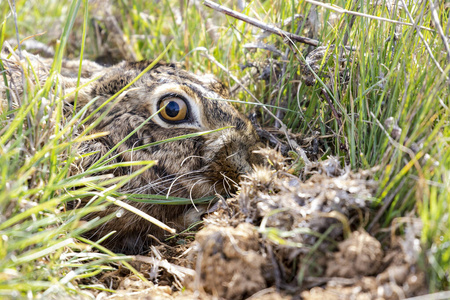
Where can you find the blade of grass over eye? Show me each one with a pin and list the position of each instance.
(104, 161)
(181, 137)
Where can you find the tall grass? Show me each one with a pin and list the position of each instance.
(42, 251)
(392, 72)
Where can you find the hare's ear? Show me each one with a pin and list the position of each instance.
(69, 76)
(83, 93)
(216, 85)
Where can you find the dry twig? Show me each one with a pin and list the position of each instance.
(345, 11)
(259, 24)
(330, 103)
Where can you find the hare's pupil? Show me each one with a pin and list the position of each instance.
(172, 109)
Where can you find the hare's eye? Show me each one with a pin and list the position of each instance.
(175, 109)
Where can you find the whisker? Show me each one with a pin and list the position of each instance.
(153, 187)
(168, 192)
(190, 193)
(192, 156)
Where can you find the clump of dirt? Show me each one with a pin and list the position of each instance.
(361, 254)
(279, 232)
(229, 262)
(330, 196)
(394, 276)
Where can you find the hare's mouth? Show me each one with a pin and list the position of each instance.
(209, 180)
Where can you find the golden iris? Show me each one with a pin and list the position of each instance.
(175, 109)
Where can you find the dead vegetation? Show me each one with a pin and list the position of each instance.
(282, 238)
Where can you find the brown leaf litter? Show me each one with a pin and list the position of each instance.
(277, 239)
(279, 232)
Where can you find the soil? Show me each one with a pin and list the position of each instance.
(282, 237)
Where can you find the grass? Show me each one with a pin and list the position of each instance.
(393, 72)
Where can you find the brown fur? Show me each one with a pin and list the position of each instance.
(194, 167)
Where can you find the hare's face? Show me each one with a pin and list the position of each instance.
(193, 167)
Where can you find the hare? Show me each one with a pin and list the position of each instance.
(192, 168)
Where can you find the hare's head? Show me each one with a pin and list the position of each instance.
(193, 167)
